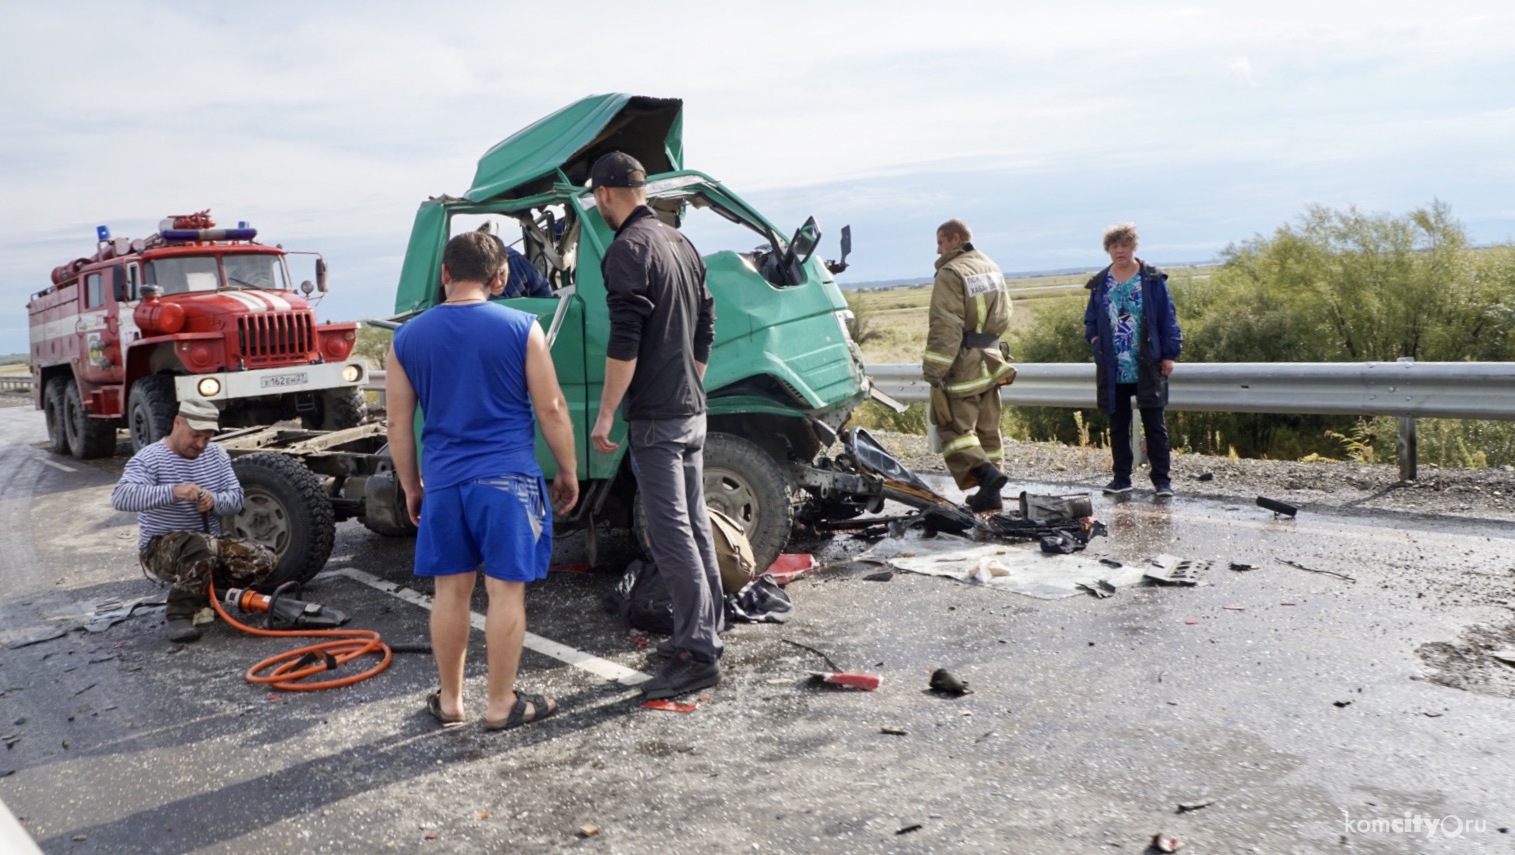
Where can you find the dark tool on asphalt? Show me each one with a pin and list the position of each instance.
(284, 611)
(1277, 507)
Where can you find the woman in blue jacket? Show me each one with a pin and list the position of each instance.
(1133, 329)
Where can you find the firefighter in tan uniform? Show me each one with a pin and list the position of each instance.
(966, 363)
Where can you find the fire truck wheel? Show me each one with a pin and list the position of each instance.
(87, 437)
(748, 485)
(55, 406)
(284, 508)
(150, 410)
(340, 408)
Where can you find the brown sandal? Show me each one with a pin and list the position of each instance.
(541, 707)
(434, 706)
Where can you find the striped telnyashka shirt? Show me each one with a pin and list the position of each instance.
(147, 487)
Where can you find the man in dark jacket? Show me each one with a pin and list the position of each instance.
(1131, 324)
(662, 326)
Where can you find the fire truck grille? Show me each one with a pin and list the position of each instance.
(276, 338)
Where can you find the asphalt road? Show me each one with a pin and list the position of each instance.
(1308, 710)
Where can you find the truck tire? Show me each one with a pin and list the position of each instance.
(150, 410)
(284, 508)
(748, 485)
(339, 408)
(87, 438)
(55, 407)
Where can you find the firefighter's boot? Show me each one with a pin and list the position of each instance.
(990, 482)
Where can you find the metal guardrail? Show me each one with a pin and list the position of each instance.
(1450, 390)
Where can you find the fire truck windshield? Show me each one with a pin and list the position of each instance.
(186, 273)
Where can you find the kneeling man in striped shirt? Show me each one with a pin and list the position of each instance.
(180, 488)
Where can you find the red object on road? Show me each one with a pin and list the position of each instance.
(569, 568)
(852, 680)
(790, 566)
(669, 706)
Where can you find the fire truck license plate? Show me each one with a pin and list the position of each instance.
(298, 378)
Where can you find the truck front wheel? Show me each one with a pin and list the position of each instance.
(55, 407)
(284, 508)
(150, 410)
(87, 438)
(338, 409)
(748, 485)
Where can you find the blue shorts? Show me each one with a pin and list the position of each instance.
(502, 523)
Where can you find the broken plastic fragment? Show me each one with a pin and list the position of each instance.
(1276, 506)
(669, 706)
(853, 680)
(1163, 843)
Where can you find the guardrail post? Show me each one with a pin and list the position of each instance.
(1407, 444)
(1407, 440)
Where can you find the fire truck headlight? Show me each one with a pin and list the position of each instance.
(209, 387)
(351, 374)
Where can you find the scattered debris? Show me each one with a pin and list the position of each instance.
(1297, 565)
(822, 654)
(1062, 543)
(1163, 843)
(1234, 608)
(1111, 562)
(852, 680)
(880, 576)
(987, 568)
(589, 830)
(1433, 714)
(790, 566)
(1278, 508)
(10, 739)
(1185, 807)
(1341, 704)
(1505, 655)
(1242, 568)
(893, 730)
(947, 683)
(1100, 589)
(909, 828)
(1206, 476)
(1172, 570)
(669, 706)
(1191, 621)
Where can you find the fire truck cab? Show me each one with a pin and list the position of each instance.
(193, 311)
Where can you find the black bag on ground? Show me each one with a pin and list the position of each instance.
(641, 597)
(761, 601)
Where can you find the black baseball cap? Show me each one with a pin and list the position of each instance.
(618, 169)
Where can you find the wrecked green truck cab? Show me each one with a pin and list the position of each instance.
(783, 374)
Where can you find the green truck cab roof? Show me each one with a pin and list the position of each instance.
(569, 141)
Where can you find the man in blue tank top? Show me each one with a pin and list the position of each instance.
(477, 370)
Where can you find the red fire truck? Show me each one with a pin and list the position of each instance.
(193, 311)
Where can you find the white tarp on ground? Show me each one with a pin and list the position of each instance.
(1019, 567)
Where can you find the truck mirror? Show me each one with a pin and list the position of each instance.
(841, 263)
(805, 240)
(320, 275)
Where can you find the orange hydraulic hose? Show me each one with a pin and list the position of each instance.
(288, 669)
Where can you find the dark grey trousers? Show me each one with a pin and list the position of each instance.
(667, 456)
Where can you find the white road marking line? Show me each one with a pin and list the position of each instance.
(55, 464)
(602, 668)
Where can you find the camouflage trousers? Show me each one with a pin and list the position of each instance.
(191, 560)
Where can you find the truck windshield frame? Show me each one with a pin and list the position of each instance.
(182, 274)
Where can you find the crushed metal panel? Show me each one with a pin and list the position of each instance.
(1174, 570)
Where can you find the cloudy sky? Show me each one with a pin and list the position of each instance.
(326, 123)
